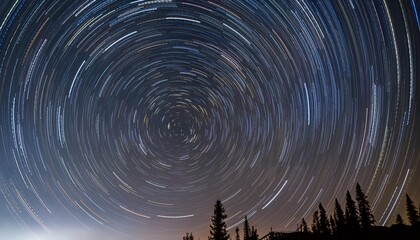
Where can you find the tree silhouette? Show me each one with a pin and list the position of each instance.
(304, 226)
(366, 217)
(218, 228)
(338, 218)
(324, 224)
(399, 220)
(246, 229)
(237, 234)
(315, 223)
(249, 233)
(352, 219)
(254, 234)
(188, 236)
(412, 213)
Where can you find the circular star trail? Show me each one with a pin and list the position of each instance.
(129, 119)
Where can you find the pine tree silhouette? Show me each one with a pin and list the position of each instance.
(339, 219)
(412, 213)
(315, 223)
(254, 234)
(399, 220)
(366, 217)
(246, 229)
(218, 228)
(304, 226)
(352, 218)
(324, 224)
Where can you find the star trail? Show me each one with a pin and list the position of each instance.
(129, 119)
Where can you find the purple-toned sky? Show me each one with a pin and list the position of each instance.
(129, 119)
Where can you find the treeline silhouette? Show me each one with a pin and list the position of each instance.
(356, 221)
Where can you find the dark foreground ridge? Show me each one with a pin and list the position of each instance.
(375, 233)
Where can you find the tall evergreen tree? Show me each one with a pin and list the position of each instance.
(352, 219)
(315, 223)
(339, 218)
(254, 234)
(399, 220)
(304, 226)
(237, 234)
(366, 217)
(218, 227)
(246, 229)
(412, 213)
(324, 224)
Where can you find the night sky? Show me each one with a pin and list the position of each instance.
(129, 119)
